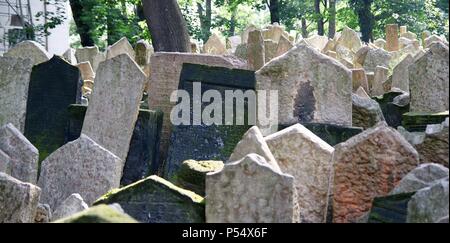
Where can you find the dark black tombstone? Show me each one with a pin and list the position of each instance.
(393, 113)
(390, 209)
(208, 142)
(54, 85)
(418, 121)
(144, 144)
(330, 133)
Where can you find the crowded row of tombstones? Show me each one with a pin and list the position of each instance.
(362, 134)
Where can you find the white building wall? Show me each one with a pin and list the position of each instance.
(58, 41)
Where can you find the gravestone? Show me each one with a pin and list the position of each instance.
(270, 48)
(359, 79)
(208, 142)
(392, 43)
(366, 112)
(434, 147)
(305, 156)
(98, 214)
(400, 74)
(87, 73)
(54, 85)
(376, 57)
(366, 166)
(249, 191)
(429, 83)
(165, 77)
(350, 39)
(29, 49)
(245, 33)
(284, 45)
(381, 76)
(380, 43)
(256, 52)
(312, 87)
(390, 209)
(233, 42)
(318, 41)
(81, 166)
(18, 200)
(14, 82)
(143, 52)
(155, 200)
(23, 156)
(392, 112)
(90, 54)
(143, 157)
(69, 56)
(418, 121)
(71, 205)
(425, 175)
(215, 46)
(114, 106)
(122, 46)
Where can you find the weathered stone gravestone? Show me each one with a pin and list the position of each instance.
(90, 54)
(392, 43)
(108, 214)
(350, 39)
(54, 85)
(155, 200)
(284, 45)
(114, 106)
(381, 76)
(366, 166)
(71, 205)
(192, 174)
(87, 73)
(122, 46)
(143, 155)
(429, 83)
(434, 147)
(215, 46)
(418, 121)
(23, 156)
(250, 191)
(14, 82)
(233, 42)
(246, 32)
(400, 74)
(305, 156)
(366, 112)
(359, 79)
(312, 87)
(376, 57)
(197, 140)
(318, 41)
(270, 48)
(273, 32)
(70, 57)
(390, 209)
(253, 142)
(380, 43)
(143, 52)
(31, 50)
(81, 166)
(18, 200)
(165, 78)
(256, 52)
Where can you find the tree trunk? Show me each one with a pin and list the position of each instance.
(320, 23)
(274, 8)
(366, 20)
(167, 26)
(83, 28)
(233, 23)
(304, 28)
(205, 15)
(332, 19)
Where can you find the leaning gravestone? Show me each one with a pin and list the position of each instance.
(18, 200)
(400, 74)
(122, 46)
(23, 156)
(250, 191)
(155, 200)
(215, 46)
(114, 106)
(376, 57)
(143, 52)
(213, 141)
(31, 50)
(256, 52)
(142, 159)
(81, 166)
(165, 77)
(14, 82)
(366, 112)
(429, 83)
(90, 54)
(54, 85)
(312, 87)
(305, 156)
(366, 166)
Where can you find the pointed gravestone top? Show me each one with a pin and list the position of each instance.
(122, 46)
(114, 106)
(308, 158)
(81, 166)
(31, 50)
(312, 87)
(215, 46)
(366, 166)
(350, 39)
(250, 191)
(253, 142)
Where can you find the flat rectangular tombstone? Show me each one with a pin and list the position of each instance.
(165, 78)
(54, 85)
(14, 82)
(200, 141)
(114, 106)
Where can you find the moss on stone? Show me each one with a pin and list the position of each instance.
(98, 214)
